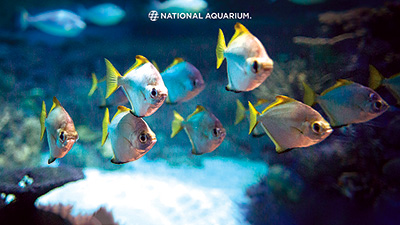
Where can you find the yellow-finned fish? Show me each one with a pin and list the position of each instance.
(347, 102)
(290, 124)
(241, 113)
(248, 63)
(117, 98)
(61, 133)
(183, 80)
(204, 130)
(130, 136)
(142, 84)
(392, 83)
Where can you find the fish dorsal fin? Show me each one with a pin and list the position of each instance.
(199, 109)
(279, 100)
(260, 102)
(176, 61)
(339, 83)
(239, 30)
(140, 60)
(120, 110)
(56, 103)
(155, 65)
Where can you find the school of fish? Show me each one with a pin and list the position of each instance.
(289, 123)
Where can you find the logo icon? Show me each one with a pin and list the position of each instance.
(153, 15)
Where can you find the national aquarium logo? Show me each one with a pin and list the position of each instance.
(154, 16)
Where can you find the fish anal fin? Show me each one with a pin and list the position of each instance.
(278, 148)
(51, 160)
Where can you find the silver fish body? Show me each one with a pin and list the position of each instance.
(105, 14)
(61, 133)
(352, 103)
(291, 124)
(248, 64)
(204, 130)
(184, 82)
(58, 22)
(142, 84)
(130, 136)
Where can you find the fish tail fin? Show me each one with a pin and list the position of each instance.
(309, 95)
(253, 117)
(112, 78)
(375, 77)
(221, 46)
(176, 124)
(106, 121)
(240, 112)
(23, 19)
(94, 84)
(43, 116)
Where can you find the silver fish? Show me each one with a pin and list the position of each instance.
(204, 130)
(61, 133)
(290, 124)
(105, 14)
(131, 137)
(248, 63)
(142, 84)
(347, 102)
(58, 22)
(183, 80)
(392, 83)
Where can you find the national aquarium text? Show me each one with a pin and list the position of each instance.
(154, 16)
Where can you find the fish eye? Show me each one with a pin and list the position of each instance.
(143, 138)
(254, 67)
(216, 132)
(62, 136)
(195, 82)
(316, 127)
(153, 93)
(377, 105)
